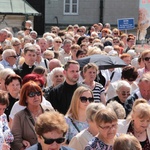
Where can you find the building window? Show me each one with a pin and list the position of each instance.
(70, 7)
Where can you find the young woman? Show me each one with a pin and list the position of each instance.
(76, 115)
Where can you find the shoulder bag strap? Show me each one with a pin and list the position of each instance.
(74, 124)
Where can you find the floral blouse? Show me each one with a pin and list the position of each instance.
(96, 144)
(72, 131)
(5, 133)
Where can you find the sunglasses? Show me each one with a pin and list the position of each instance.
(58, 41)
(50, 141)
(85, 99)
(13, 56)
(32, 94)
(147, 58)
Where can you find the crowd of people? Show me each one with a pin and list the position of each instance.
(48, 101)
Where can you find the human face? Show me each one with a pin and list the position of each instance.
(67, 48)
(58, 78)
(145, 89)
(11, 59)
(147, 61)
(123, 93)
(127, 60)
(30, 58)
(17, 46)
(140, 124)
(86, 94)
(43, 44)
(2, 109)
(35, 99)
(50, 135)
(3, 37)
(130, 43)
(107, 131)
(38, 50)
(72, 74)
(13, 87)
(90, 74)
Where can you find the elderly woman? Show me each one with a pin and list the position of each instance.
(106, 121)
(50, 128)
(24, 121)
(123, 90)
(3, 74)
(137, 123)
(76, 115)
(13, 84)
(126, 142)
(79, 141)
(40, 82)
(56, 76)
(90, 72)
(6, 136)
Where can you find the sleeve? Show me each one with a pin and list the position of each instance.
(17, 132)
(8, 136)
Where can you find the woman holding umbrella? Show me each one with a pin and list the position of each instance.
(89, 73)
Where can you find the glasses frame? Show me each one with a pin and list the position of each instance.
(109, 127)
(51, 141)
(32, 94)
(13, 56)
(84, 99)
(147, 58)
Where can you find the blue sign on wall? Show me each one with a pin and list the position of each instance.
(126, 24)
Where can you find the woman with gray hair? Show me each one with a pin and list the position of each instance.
(79, 141)
(123, 90)
(56, 76)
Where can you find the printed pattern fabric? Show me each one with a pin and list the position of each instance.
(96, 144)
(5, 133)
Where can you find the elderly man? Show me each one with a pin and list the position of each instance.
(66, 51)
(9, 57)
(3, 35)
(142, 92)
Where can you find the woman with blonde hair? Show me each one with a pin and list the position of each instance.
(137, 123)
(126, 142)
(76, 115)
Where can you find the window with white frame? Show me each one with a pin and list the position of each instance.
(71, 7)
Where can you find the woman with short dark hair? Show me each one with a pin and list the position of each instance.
(24, 121)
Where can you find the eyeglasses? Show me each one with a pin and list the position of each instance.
(17, 44)
(58, 41)
(32, 94)
(13, 56)
(109, 127)
(85, 99)
(147, 58)
(124, 94)
(50, 141)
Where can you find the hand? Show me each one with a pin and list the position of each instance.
(26, 143)
(6, 146)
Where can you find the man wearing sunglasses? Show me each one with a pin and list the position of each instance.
(9, 57)
(51, 128)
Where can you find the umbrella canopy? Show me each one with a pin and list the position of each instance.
(102, 61)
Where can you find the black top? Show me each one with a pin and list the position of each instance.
(24, 70)
(12, 100)
(60, 96)
(116, 98)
